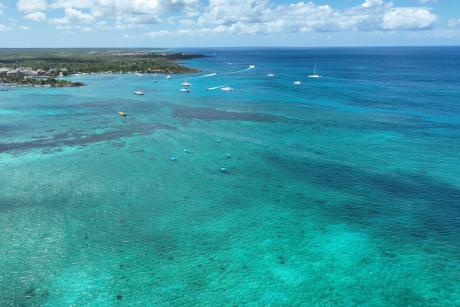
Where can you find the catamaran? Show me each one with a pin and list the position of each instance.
(315, 75)
(186, 84)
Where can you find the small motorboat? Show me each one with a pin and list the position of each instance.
(139, 93)
(227, 89)
(298, 82)
(122, 114)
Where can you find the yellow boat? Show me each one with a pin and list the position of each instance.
(122, 114)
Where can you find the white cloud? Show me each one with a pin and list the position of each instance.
(73, 16)
(30, 6)
(229, 16)
(408, 19)
(123, 13)
(37, 16)
(262, 17)
(372, 3)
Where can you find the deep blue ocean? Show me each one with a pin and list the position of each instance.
(342, 190)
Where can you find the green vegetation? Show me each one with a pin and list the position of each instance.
(97, 60)
(48, 64)
(21, 80)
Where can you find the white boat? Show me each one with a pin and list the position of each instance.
(139, 93)
(186, 84)
(298, 82)
(315, 75)
(168, 77)
(185, 90)
(227, 89)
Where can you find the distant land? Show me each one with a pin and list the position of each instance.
(43, 67)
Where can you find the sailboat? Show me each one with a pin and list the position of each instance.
(315, 75)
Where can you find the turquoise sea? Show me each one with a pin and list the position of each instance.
(340, 191)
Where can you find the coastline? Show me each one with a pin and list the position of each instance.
(44, 68)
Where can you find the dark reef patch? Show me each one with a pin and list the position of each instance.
(81, 138)
(215, 114)
(409, 125)
(399, 205)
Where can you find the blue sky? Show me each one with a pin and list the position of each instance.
(185, 23)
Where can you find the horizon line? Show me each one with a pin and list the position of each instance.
(236, 47)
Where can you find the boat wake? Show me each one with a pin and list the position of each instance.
(216, 87)
(204, 76)
(239, 71)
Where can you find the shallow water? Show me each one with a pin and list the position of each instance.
(341, 191)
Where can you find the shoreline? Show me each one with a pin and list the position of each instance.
(7, 85)
(45, 68)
